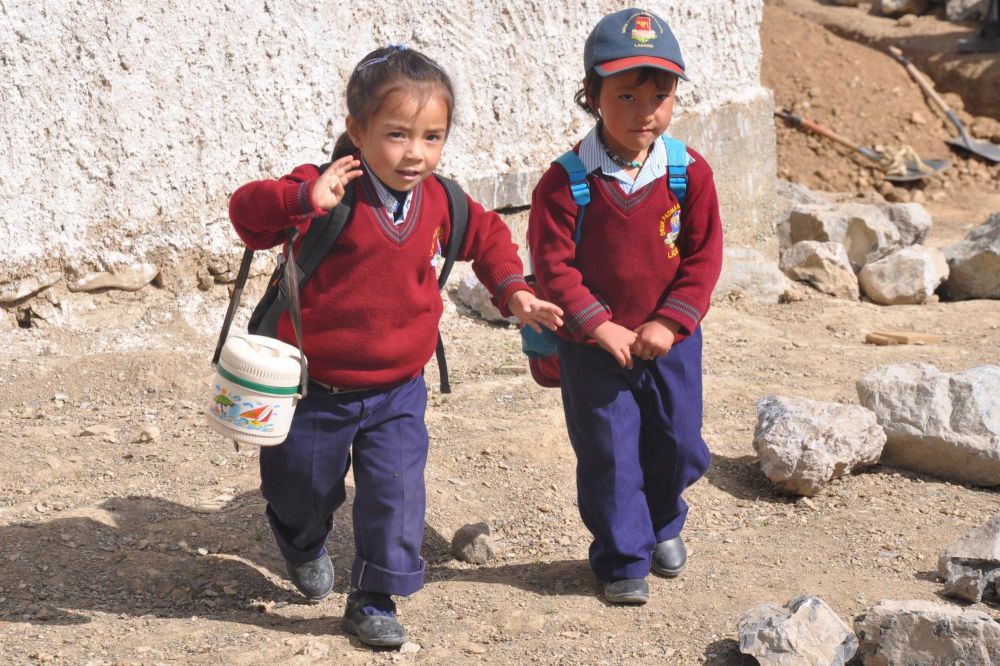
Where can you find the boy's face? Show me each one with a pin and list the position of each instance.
(635, 114)
(402, 142)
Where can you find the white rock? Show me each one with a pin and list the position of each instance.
(907, 276)
(473, 295)
(131, 278)
(13, 292)
(804, 632)
(971, 565)
(911, 220)
(803, 444)
(924, 633)
(900, 7)
(940, 424)
(966, 10)
(750, 272)
(825, 266)
(975, 263)
(861, 228)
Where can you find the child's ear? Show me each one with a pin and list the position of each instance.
(354, 130)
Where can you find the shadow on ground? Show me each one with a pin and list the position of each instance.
(144, 556)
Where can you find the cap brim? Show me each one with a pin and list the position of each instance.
(635, 62)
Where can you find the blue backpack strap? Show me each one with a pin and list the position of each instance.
(677, 164)
(577, 174)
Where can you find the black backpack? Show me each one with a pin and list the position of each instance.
(292, 272)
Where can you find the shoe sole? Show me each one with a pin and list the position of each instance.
(668, 573)
(352, 629)
(625, 599)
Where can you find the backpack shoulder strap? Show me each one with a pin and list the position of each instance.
(677, 164)
(578, 186)
(458, 213)
(321, 236)
(315, 245)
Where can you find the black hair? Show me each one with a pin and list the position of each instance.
(592, 86)
(385, 71)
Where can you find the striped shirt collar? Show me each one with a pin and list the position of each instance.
(389, 202)
(594, 157)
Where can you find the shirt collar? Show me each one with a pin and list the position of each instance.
(594, 157)
(389, 202)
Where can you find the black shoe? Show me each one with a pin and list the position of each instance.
(314, 579)
(626, 591)
(372, 618)
(669, 557)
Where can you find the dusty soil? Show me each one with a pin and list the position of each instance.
(114, 549)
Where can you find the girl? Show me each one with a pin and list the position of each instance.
(369, 316)
(634, 291)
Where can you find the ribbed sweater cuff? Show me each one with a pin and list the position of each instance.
(682, 312)
(582, 319)
(505, 288)
(297, 200)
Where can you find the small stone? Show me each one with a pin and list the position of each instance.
(409, 648)
(149, 434)
(473, 544)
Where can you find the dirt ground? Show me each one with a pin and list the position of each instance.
(123, 548)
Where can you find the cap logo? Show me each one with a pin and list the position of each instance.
(642, 30)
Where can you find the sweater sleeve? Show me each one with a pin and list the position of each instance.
(261, 210)
(687, 299)
(551, 225)
(493, 253)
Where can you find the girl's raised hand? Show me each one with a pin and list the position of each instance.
(330, 186)
(532, 311)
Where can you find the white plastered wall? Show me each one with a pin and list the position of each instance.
(127, 124)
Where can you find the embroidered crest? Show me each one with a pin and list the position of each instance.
(643, 29)
(437, 257)
(670, 228)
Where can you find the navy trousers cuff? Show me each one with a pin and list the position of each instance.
(369, 577)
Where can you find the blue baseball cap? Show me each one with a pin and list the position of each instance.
(630, 39)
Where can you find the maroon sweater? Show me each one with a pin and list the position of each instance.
(628, 267)
(370, 311)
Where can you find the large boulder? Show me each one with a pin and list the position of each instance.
(803, 444)
(941, 424)
(924, 633)
(908, 276)
(825, 266)
(975, 263)
(862, 229)
(750, 272)
(803, 631)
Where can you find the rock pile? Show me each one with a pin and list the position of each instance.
(846, 249)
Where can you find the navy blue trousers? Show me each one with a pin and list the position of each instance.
(638, 444)
(303, 482)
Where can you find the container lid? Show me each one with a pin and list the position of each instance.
(261, 360)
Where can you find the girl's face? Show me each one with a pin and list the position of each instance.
(635, 115)
(402, 142)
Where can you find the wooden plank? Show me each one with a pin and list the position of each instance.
(884, 338)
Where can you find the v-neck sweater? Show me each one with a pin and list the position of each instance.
(370, 311)
(632, 263)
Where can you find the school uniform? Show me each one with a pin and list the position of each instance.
(369, 320)
(636, 433)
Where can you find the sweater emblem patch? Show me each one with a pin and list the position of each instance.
(670, 228)
(437, 256)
